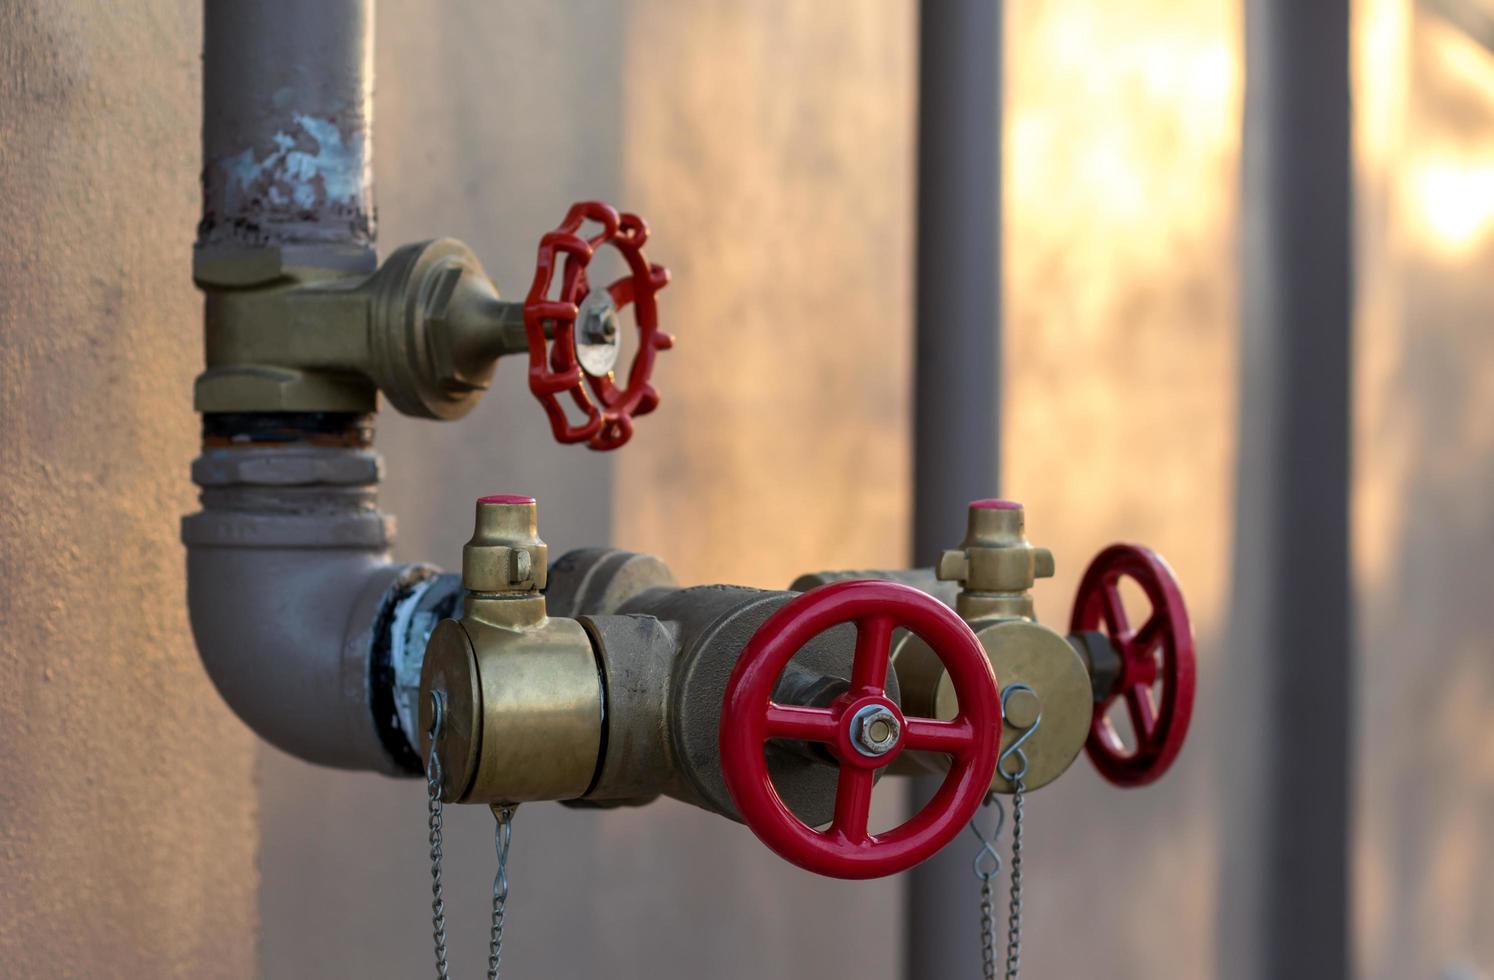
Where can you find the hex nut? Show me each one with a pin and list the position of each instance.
(875, 730)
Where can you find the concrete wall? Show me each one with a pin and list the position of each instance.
(128, 810)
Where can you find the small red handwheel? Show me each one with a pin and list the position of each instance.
(557, 365)
(863, 729)
(1158, 728)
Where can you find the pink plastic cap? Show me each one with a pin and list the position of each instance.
(506, 498)
(994, 504)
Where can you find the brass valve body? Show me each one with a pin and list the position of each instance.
(522, 704)
(519, 693)
(996, 566)
(1021, 652)
(426, 329)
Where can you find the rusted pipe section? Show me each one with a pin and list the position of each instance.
(286, 135)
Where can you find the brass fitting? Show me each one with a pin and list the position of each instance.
(510, 699)
(996, 566)
(426, 329)
(505, 554)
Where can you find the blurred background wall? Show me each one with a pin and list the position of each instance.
(1423, 506)
(143, 832)
(1122, 187)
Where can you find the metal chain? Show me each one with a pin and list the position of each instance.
(1014, 904)
(502, 838)
(987, 867)
(438, 903)
(1014, 775)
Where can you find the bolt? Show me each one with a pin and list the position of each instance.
(875, 730)
(522, 565)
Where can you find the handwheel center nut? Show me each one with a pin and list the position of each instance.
(875, 730)
(597, 340)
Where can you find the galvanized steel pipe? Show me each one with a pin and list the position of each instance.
(302, 620)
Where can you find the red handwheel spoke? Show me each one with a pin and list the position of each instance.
(1147, 638)
(804, 724)
(853, 793)
(1143, 714)
(1115, 613)
(621, 292)
(928, 735)
(873, 653)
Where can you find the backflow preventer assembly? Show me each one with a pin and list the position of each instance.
(595, 679)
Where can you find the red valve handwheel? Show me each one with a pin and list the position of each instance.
(750, 717)
(1159, 729)
(553, 368)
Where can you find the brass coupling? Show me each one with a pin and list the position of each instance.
(510, 698)
(995, 564)
(426, 328)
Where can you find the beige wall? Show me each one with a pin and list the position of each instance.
(128, 813)
(774, 143)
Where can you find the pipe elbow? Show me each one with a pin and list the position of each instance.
(292, 595)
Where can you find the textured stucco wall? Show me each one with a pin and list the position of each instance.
(128, 812)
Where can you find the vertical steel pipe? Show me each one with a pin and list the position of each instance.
(1285, 902)
(957, 374)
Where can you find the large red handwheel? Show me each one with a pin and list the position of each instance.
(863, 729)
(555, 366)
(1159, 725)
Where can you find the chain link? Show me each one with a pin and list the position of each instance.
(502, 838)
(987, 867)
(1014, 775)
(438, 903)
(987, 931)
(1014, 904)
